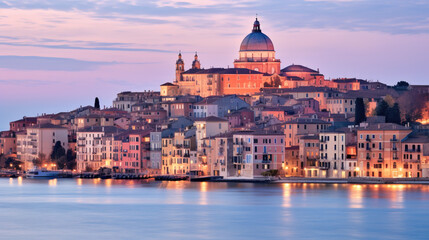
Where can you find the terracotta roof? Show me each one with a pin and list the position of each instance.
(298, 68)
(168, 84)
(211, 119)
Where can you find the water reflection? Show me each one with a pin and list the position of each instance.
(203, 193)
(19, 181)
(286, 195)
(53, 182)
(355, 196)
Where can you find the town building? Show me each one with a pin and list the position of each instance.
(37, 142)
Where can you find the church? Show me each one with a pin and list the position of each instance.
(255, 68)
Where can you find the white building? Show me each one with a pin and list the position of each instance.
(208, 127)
(333, 154)
(155, 151)
(90, 147)
(38, 142)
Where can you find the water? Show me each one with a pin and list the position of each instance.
(127, 209)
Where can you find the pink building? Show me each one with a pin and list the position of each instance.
(133, 150)
(257, 152)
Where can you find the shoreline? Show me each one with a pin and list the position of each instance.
(332, 181)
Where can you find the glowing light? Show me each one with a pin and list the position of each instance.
(52, 182)
(357, 169)
(19, 181)
(286, 195)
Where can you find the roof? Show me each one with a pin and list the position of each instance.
(168, 84)
(345, 80)
(46, 125)
(298, 68)
(416, 139)
(298, 89)
(256, 40)
(221, 71)
(307, 121)
(311, 137)
(211, 119)
(383, 127)
(106, 129)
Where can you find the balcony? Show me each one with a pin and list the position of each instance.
(394, 140)
(412, 150)
(380, 160)
(368, 139)
(368, 158)
(394, 149)
(324, 167)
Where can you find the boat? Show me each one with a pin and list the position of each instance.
(42, 173)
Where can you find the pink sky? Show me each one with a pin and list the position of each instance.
(88, 50)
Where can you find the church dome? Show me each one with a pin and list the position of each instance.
(256, 40)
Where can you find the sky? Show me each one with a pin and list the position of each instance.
(57, 55)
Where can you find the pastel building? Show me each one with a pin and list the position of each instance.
(38, 141)
(90, 147)
(257, 152)
(302, 126)
(380, 149)
(333, 154)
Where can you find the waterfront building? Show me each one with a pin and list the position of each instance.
(90, 147)
(7, 142)
(155, 151)
(380, 149)
(415, 156)
(309, 156)
(256, 152)
(333, 154)
(38, 141)
(292, 165)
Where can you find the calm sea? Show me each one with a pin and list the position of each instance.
(128, 209)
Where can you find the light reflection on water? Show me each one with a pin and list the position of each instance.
(202, 210)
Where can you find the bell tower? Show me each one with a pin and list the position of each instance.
(196, 63)
(180, 68)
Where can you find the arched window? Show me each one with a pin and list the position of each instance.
(367, 165)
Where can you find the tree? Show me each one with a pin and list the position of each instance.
(57, 151)
(359, 111)
(389, 100)
(401, 85)
(97, 103)
(393, 114)
(70, 159)
(381, 108)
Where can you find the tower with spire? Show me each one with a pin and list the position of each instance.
(196, 63)
(180, 68)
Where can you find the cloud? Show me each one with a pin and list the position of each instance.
(65, 46)
(391, 16)
(48, 63)
(25, 82)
